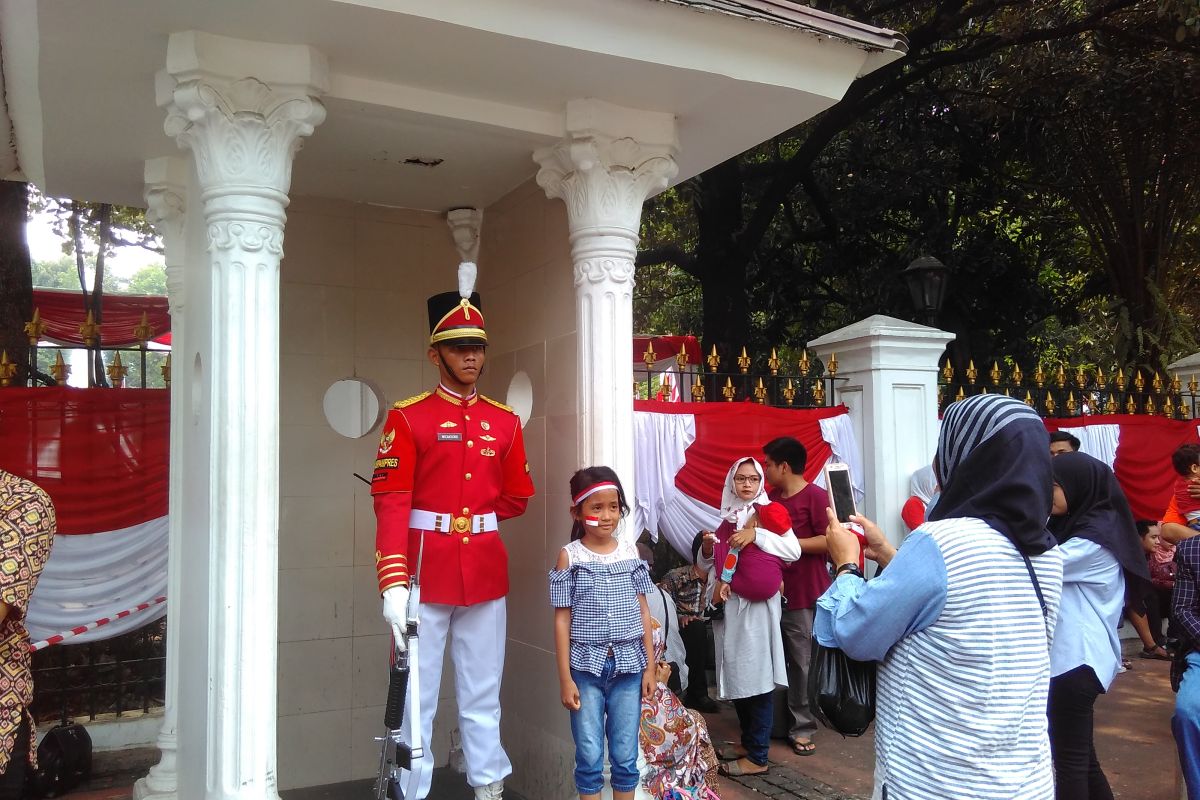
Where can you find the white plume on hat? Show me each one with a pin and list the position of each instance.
(466, 278)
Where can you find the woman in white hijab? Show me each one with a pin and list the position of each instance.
(749, 646)
(924, 488)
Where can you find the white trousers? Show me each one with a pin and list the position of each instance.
(476, 635)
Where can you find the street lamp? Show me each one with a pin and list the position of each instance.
(927, 278)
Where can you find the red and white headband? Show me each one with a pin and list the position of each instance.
(591, 490)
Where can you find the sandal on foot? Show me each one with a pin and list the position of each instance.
(731, 752)
(734, 769)
(803, 747)
(1156, 653)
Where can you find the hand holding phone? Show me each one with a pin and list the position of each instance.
(841, 492)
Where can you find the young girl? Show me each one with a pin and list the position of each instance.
(602, 634)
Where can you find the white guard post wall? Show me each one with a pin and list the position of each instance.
(890, 368)
(525, 281)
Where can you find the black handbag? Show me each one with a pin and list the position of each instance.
(841, 690)
(64, 761)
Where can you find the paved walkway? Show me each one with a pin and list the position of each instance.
(1133, 741)
(1133, 737)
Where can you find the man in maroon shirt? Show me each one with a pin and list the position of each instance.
(804, 580)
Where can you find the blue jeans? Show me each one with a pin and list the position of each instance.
(619, 697)
(1186, 725)
(756, 715)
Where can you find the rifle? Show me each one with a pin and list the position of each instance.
(397, 756)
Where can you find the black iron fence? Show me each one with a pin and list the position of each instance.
(805, 382)
(1061, 391)
(112, 678)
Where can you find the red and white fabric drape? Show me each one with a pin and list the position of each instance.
(682, 452)
(1138, 448)
(63, 312)
(102, 455)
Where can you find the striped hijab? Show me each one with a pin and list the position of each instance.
(993, 460)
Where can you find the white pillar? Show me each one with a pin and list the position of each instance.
(891, 369)
(166, 190)
(606, 166)
(242, 109)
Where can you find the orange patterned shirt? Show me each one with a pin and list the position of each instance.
(27, 526)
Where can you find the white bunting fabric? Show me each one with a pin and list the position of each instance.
(93, 576)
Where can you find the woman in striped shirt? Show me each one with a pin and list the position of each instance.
(962, 618)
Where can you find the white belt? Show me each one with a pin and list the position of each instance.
(452, 523)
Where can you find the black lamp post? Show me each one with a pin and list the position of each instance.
(927, 278)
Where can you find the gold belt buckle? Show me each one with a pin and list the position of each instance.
(462, 524)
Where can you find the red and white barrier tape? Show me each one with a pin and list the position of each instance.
(61, 637)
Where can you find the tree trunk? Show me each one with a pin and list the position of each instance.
(16, 280)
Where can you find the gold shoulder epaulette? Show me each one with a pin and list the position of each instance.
(497, 403)
(415, 399)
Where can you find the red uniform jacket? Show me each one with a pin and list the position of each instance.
(454, 456)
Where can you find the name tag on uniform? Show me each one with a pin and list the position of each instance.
(449, 437)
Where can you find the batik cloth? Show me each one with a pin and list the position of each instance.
(27, 525)
(680, 761)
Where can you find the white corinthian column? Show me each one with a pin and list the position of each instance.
(166, 189)
(609, 162)
(242, 109)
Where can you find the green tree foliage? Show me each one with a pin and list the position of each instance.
(940, 153)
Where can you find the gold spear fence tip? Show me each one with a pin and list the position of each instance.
(1151, 408)
(760, 392)
(35, 327)
(804, 364)
(727, 391)
(1193, 386)
(1050, 404)
(773, 363)
(961, 394)
(1039, 376)
(1157, 383)
(1120, 379)
(697, 392)
(1176, 385)
(1071, 404)
(832, 366)
(144, 330)
(1080, 378)
(1061, 376)
(818, 392)
(789, 392)
(681, 358)
(60, 369)
(948, 372)
(972, 373)
(1130, 406)
(713, 360)
(1110, 405)
(1139, 382)
(1028, 399)
(743, 362)
(995, 373)
(1017, 376)
(649, 356)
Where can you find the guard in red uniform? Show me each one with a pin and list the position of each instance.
(451, 465)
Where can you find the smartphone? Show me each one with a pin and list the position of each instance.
(841, 494)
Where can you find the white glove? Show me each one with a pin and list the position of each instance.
(395, 611)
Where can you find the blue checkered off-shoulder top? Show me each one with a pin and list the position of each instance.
(602, 589)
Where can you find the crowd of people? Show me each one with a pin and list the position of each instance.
(994, 624)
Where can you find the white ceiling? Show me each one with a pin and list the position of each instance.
(477, 83)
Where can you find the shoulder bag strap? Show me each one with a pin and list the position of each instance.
(1037, 587)
(667, 614)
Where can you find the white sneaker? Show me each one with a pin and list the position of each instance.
(493, 791)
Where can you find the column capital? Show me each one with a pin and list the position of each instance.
(464, 228)
(243, 109)
(166, 181)
(610, 160)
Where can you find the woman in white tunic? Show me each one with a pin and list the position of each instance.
(749, 645)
